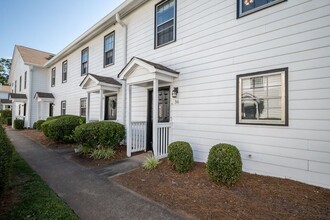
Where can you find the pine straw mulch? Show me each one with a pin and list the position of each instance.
(252, 197)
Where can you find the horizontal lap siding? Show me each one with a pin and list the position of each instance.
(213, 47)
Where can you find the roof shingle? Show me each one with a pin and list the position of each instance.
(33, 56)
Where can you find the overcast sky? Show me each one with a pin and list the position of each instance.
(48, 25)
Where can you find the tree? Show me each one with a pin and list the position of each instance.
(4, 70)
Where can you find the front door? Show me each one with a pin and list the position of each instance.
(163, 111)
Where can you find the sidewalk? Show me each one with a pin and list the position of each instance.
(87, 193)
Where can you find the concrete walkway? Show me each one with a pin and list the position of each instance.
(86, 192)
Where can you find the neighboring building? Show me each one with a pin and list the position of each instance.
(225, 72)
(27, 77)
(5, 103)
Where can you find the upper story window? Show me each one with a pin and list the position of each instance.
(15, 86)
(63, 107)
(25, 79)
(165, 26)
(20, 83)
(53, 75)
(262, 98)
(250, 6)
(84, 61)
(83, 105)
(109, 52)
(64, 71)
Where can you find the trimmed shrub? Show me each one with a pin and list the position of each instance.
(45, 126)
(61, 129)
(224, 164)
(100, 134)
(18, 123)
(6, 157)
(9, 121)
(37, 124)
(181, 155)
(4, 114)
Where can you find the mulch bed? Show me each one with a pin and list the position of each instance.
(252, 197)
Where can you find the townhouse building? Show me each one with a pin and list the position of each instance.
(252, 73)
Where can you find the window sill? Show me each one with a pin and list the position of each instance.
(111, 64)
(265, 123)
(240, 15)
(163, 45)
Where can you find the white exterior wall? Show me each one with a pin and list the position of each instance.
(212, 47)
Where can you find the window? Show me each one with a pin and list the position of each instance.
(109, 45)
(19, 109)
(83, 107)
(51, 109)
(15, 85)
(20, 83)
(262, 98)
(111, 107)
(24, 109)
(165, 25)
(53, 77)
(63, 107)
(64, 71)
(250, 6)
(84, 61)
(25, 76)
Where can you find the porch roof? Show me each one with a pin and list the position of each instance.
(95, 82)
(5, 101)
(44, 97)
(17, 97)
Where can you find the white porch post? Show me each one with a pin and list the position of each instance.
(129, 120)
(101, 118)
(88, 106)
(41, 110)
(38, 116)
(155, 117)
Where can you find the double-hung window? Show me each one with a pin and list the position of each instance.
(25, 75)
(53, 75)
(262, 98)
(63, 107)
(64, 71)
(250, 6)
(83, 105)
(165, 25)
(84, 61)
(15, 85)
(20, 83)
(109, 49)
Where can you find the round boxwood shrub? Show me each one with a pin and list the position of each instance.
(45, 126)
(18, 123)
(224, 164)
(37, 124)
(100, 134)
(61, 129)
(181, 155)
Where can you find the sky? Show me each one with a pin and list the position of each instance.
(48, 25)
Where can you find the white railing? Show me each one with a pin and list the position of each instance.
(163, 139)
(139, 136)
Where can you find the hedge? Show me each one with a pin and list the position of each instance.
(6, 157)
(4, 114)
(61, 128)
(9, 121)
(100, 134)
(37, 124)
(18, 123)
(44, 127)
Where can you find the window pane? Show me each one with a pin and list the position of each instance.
(109, 57)
(165, 12)
(108, 42)
(165, 36)
(251, 4)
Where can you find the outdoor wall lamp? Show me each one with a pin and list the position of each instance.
(175, 92)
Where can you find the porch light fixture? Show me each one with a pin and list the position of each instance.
(175, 92)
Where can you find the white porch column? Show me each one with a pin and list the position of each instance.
(155, 117)
(88, 106)
(101, 118)
(41, 110)
(38, 114)
(129, 120)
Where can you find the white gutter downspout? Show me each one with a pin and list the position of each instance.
(124, 26)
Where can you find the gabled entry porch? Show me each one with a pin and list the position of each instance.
(156, 79)
(44, 101)
(18, 100)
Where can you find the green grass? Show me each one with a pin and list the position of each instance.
(35, 199)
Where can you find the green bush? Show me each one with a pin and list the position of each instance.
(4, 114)
(9, 121)
(18, 123)
(6, 157)
(224, 164)
(37, 124)
(181, 155)
(61, 129)
(45, 126)
(100, 134)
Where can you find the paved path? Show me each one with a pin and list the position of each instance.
(90, 195)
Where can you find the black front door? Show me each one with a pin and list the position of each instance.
(163, 111)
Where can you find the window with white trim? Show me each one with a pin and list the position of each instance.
(262, 98)
(83, 105)
(109, 52)
(165, 25)
(63, 107)
(53, 75)
(250, 6)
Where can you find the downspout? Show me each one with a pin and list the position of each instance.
(124, 26)
(30, 98)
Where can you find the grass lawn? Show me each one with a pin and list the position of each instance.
(29, 197)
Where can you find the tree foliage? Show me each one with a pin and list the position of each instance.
(4, 70)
